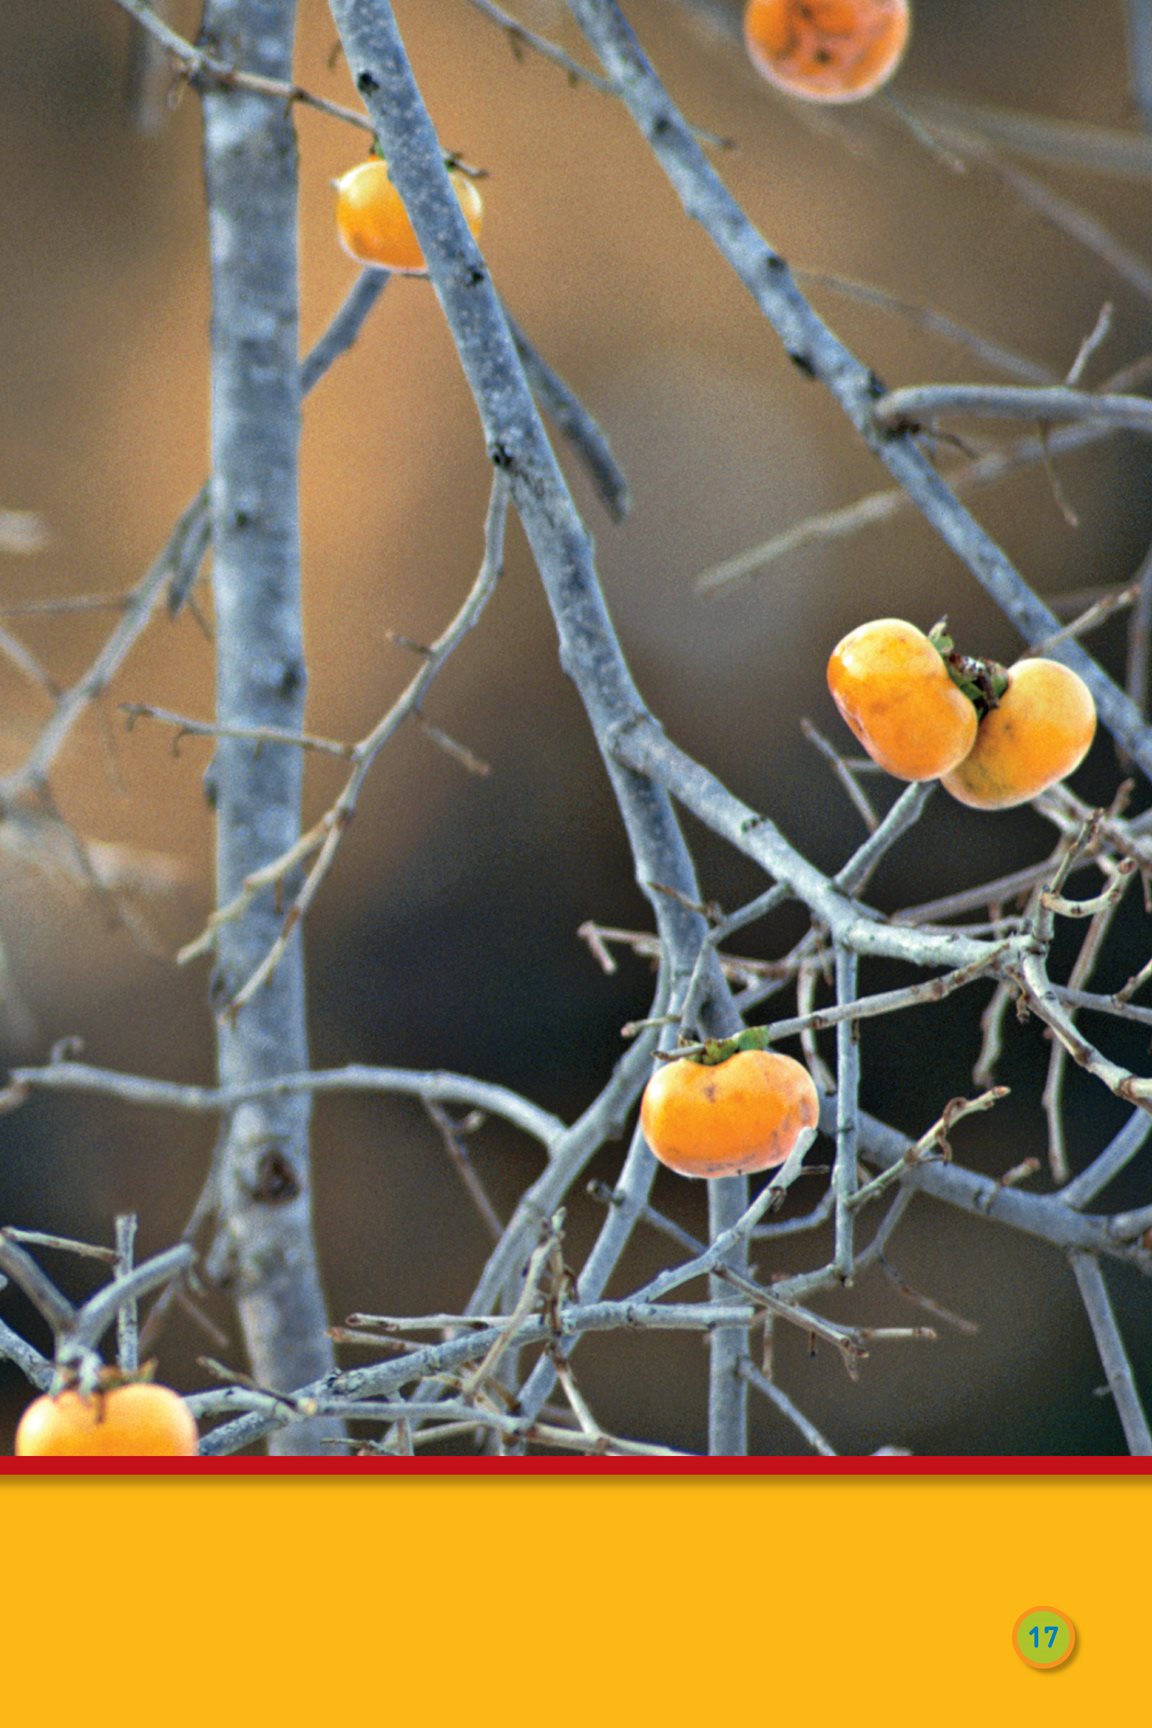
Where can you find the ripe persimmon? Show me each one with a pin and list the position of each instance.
(827, 50)
(374, 226)
(1040, 730)
(730, 1117)
(892, 685)
(136, 1420)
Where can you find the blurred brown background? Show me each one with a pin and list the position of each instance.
(446, 935)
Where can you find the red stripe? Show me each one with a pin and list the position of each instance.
(991, 1465)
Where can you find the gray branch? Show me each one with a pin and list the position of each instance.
(768, 1389)
(1113, 1355)
(1043, 1217)
(912, 406)
(571, 417)
(436, 1086)
(36, 1285)
(31, 1364)
(1115, 1157)
(93, 1320)
(263, 1185)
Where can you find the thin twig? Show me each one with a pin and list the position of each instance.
(928, 1303)
(845, 521)
(916, 405)
(101, 1310)
(62, 1244)
(845, 1170)
(1093, 616)
(127, 1318)
(1094, 340)
(714, 1256)
(206, 71)
(936, 322)
(1099, 149)
(186, 726)
(1107, 1165)
(932, 1144)
(36, 1368)
(582, 431)
(843, 773)
(439, 1086)
(521, 37)
(1113, 1356)
(26, 663)
(137, 610)
(324, 838)
(37, 1286)
(768, 1389)
(1101, 909)
(452, 1135)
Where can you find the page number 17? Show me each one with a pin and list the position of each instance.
(1044, 1637)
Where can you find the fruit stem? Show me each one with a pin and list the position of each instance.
(982, 681)
(713, 1051)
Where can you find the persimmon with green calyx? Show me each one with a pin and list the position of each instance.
(827, 50)
(900, 692)
(732, 1110)
(133, 1420)
(374, 226)
(1041, 729)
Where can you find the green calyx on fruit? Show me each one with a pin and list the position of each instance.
(982, 681)
(710, 1052)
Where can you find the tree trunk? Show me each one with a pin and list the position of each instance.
(250, 171)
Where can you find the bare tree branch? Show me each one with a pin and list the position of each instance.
(910, 407)
(1113, 1355)
(264, 1183)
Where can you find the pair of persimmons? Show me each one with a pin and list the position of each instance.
(995, 738)
(823, 50)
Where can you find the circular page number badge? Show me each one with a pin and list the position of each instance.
(1043, 1637)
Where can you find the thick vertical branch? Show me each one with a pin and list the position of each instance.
(727, 1385)
(847, 1113)
(250, 170)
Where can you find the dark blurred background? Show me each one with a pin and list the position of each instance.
(446, 934)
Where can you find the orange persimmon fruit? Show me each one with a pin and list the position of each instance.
(1041, 729)
(728, 1118)
(827, 50)
(375, 228)
(137, 1420)
(892, 686)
